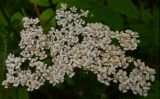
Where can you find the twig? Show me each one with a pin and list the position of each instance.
(153, 65)
(36, 7)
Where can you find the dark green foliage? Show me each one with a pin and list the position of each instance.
(140, 15)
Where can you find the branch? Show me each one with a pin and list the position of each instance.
(36, 7)
(153, 65)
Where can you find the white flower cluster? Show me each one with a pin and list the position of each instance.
(77, 44)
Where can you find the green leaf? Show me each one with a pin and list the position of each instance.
(22, 93)
(48, 61)
(112, 18)
(46, 14)
(41, 2)
(156, 43)
(82, 4)
(3, 22)
(60, 86)
(48, 18)
(55, 1)
(125, 7)
(108, 16)
(143, 32)
(69, 81)
(16, 16)
(146, 15)
(13, 92)
(53, 21)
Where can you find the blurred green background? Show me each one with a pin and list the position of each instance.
(139, 15)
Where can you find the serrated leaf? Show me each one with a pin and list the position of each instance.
(125, 7)
(22, 93)
(16, 16)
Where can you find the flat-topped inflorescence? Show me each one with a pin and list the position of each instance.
(76, 44)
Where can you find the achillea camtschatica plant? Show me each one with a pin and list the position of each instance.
(76, 44)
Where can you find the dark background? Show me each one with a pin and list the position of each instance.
(139, 15)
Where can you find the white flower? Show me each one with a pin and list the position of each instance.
(76, 45)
